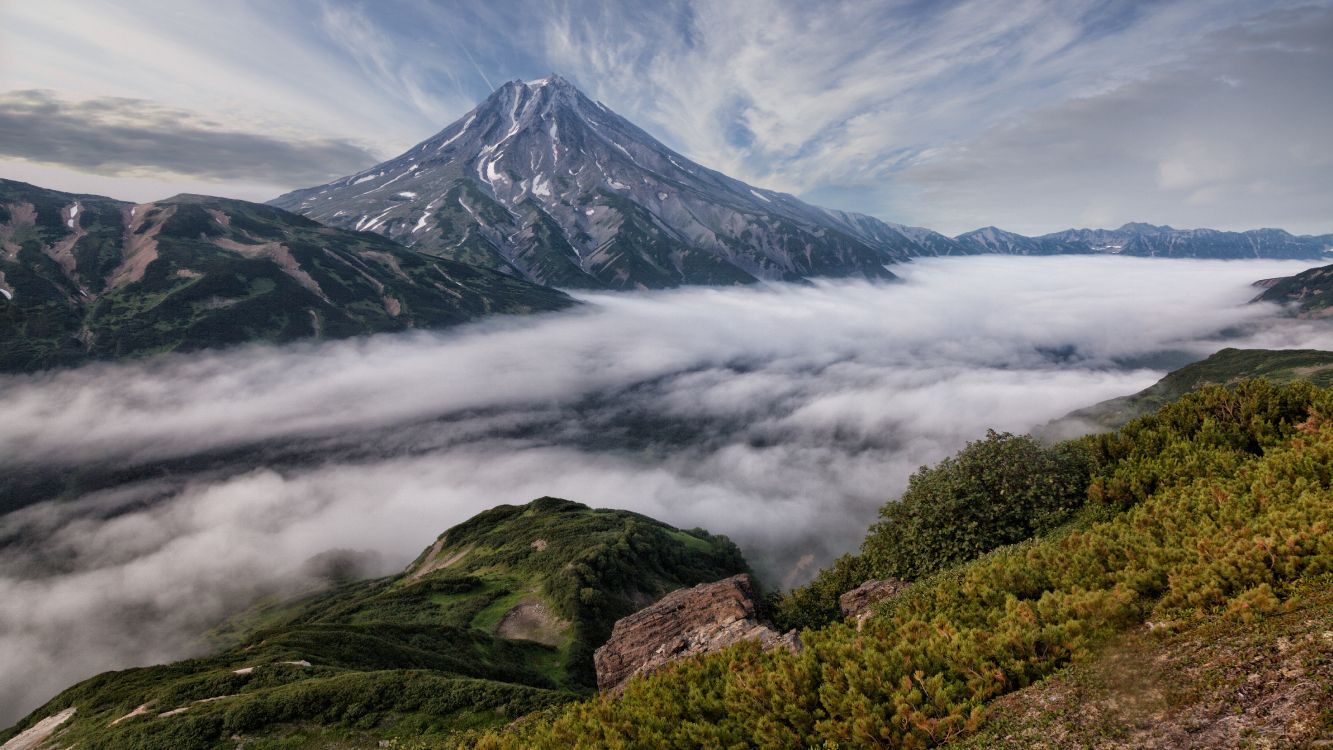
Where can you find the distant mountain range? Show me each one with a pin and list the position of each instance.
(84, 277)
(1146, 240)
(543, 183)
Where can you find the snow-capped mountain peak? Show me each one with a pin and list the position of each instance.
(544, 183)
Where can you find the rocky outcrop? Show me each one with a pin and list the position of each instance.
(859, 603)
(699, 620)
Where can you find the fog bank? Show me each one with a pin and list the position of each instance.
(780, 415)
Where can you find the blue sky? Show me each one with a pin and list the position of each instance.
(1031, 115)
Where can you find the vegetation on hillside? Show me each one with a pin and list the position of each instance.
(1219, 505)
(495, 621)
(1221, 683)
(996, 491)
(84, 278)
(1308, 294)
(1225, 367)
(1214, 512)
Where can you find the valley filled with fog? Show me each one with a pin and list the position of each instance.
(780, 415)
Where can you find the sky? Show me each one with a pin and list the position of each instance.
(1031, 115)
(781, 415)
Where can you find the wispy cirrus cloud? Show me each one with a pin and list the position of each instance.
(916, 112)
(1233, 137)
(868, 106)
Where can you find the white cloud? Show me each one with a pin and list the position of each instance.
(780, 415)
(914, 112)
(892, 109)
(1233, 137)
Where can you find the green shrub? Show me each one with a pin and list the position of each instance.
(994, 492)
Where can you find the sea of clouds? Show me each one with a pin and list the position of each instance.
(780, 415)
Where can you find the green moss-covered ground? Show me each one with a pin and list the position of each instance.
(413, 655)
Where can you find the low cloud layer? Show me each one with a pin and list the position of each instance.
(123, 136)
(782, 416)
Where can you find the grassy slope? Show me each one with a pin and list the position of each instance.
(414, 654)
(225, 272)
(1226, 367)
(1218, 507)
(1308, 293)
(1218, 683)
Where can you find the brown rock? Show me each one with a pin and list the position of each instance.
(858, 604)
(685, 623)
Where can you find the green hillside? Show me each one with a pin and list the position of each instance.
(1219, 508)
(87, 278)
(495, 620)
(1226, 367)
(1204, 528)
(1308, 294)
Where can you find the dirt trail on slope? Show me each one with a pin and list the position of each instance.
(38, 733)
(434, 562)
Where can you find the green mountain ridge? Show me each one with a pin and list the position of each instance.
(1308, 294)
(87, 278)
(1205, 525)
(495, 620)
(1224, 367)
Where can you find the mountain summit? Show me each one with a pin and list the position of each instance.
(546, 184)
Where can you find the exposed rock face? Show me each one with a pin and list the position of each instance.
(541, 182)
(858, 603)
(685, 623)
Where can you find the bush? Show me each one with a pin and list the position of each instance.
(994, 492)
(816, 603)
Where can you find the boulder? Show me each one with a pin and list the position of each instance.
(859, 603)
(688, 622)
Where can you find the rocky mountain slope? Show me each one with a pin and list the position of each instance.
(541, 182)
(544, 183)
(497, 618)
(1308, 294)
(1146, 240)
(85, 277)
(684, 624)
